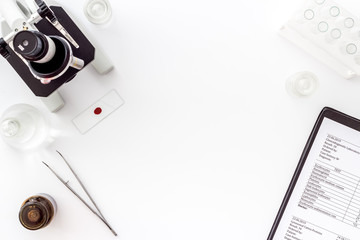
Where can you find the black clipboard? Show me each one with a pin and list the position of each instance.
(327, 112)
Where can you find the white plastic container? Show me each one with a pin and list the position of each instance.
(302, 84)
(98, 11)
(329, 32)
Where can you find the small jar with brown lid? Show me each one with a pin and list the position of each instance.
(37, 211)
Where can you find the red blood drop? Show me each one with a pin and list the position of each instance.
(97, 110)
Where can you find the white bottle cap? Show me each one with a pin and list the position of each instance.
(302, 84)
(10, 127)
(97, 11)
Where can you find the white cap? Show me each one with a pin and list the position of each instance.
(97, 11)
(302, 84)
(10, 127)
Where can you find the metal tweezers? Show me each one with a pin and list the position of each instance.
(98, 214)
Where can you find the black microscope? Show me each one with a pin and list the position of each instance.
(45, 47)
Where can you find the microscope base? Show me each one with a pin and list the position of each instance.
(54, 102)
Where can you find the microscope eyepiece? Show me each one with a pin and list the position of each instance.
(48, 57)
(34, 46)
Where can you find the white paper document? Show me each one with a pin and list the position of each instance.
(325, 202)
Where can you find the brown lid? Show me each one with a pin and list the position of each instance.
(33, 215)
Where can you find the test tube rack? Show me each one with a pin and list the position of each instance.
(328, 32)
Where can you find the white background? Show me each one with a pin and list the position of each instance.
(208, 139)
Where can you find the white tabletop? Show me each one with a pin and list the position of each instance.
(207, 140)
